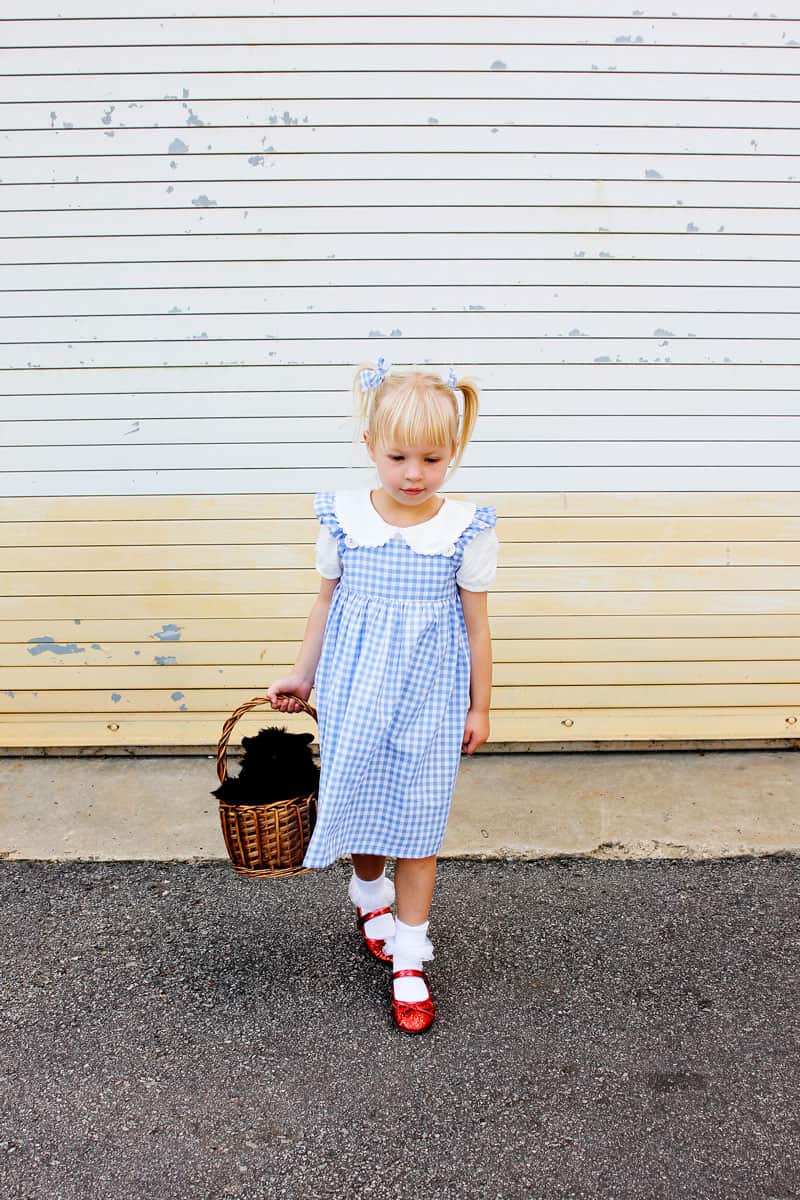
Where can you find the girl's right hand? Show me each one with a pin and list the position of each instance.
(281, 693)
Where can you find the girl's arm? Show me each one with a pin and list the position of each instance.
(301, 679)
(476, 617)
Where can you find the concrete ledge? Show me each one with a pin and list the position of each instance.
(687, 804)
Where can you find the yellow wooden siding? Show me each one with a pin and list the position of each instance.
(143, 621)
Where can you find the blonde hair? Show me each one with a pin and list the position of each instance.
(416, 408)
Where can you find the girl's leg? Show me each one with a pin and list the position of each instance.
(414, 880)
(368, 866)
(371, 891)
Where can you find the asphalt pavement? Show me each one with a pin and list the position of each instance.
(606, 1030)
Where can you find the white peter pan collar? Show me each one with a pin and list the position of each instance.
(364, 526)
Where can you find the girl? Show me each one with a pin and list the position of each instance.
(397, 646)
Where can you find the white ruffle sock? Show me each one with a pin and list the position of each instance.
(369, 894)
(410, 947)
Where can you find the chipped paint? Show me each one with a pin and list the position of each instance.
(204, 202)
(165, 660)
(256, 160)
(498, 65)
(116, 697)
(176, 696)
(663, 333)
(651, 173)
(11, 695)
(178, 147)
(169, 633)
(692, 228)
(48, 645)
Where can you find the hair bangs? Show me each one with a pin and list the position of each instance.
(418, 410)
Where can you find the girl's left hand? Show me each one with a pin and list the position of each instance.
(476, 730)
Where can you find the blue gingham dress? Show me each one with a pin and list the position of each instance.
(392, 691)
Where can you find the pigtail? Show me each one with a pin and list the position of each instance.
(470, 394)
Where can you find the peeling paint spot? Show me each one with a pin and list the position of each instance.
(186, 93)
(396, 333)
(200, 337)
(175, 309)
(498, 65)
(178, 147)
(47, 645)
(256, 160)
(577, 333)
(603, 359)
(170, 190)
(67, 125)
(137, 653)
(433, 120)
(376, 333)
(663, 333)
(193, 119)
(106, 118)
(176, 696)
(135, 426)
(53, 118)
(579, 254)
(165, 660)
(605, 254)
(76, 622)
(476, 308)
(692, 228)
(10, 695)
(169, 633)
(203, 202)
(653, 174)
(116, 697)
(96, 647)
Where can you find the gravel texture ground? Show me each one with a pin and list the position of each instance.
(606, 1030)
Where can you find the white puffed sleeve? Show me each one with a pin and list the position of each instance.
(479, 564)
(328, 563)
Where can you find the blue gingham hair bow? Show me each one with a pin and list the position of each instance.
(451, 379)
(370, 380)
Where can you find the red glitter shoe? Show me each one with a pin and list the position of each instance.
(375, 946)
(413, 1016)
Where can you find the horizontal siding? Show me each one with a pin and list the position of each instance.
(207, 220)
(616, 617)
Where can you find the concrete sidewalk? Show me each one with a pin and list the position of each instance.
(649, 804)
(605, 1030)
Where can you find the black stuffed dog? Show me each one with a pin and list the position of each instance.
(276, 766)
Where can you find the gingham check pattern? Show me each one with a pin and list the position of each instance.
(392, 690)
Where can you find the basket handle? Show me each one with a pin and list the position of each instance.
(227, 728)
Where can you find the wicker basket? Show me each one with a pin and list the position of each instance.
(265, 839)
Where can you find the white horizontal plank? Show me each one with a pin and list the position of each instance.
(725, 11)
(205, 350)
(265, 194)
(535, 404)
(384, 163)
(259, 480)
(430, 135)
(308, 29)
(286, 430)
(412, 98)
(405, 35)
(604, 228)
(600, 329)
(318, 71)
(659, 304)
(335, 376)
(443, 245)
(503, 455)
(564, 277)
